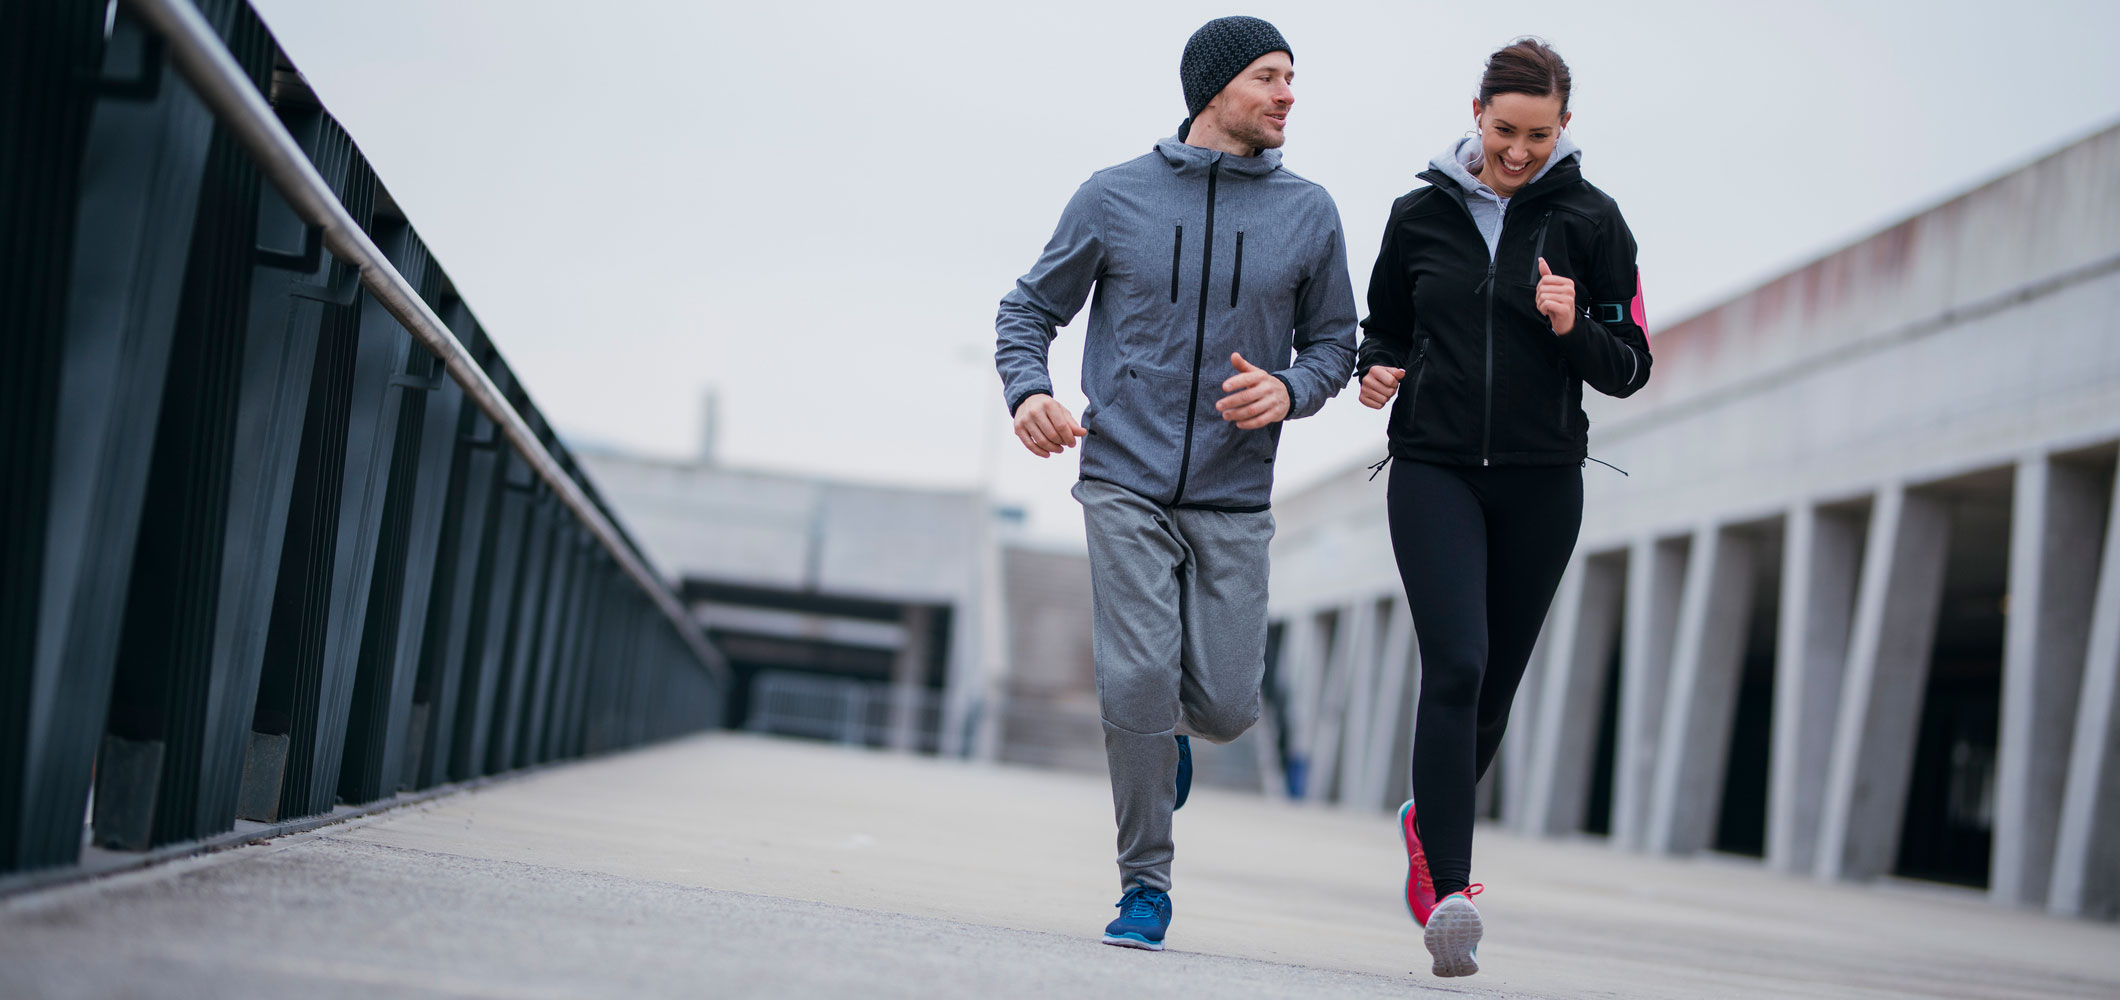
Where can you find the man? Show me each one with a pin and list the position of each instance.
(1210, 264)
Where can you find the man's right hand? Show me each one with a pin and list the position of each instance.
(1380, 385)
(1045, 427)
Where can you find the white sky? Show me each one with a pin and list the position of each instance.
(813, 207)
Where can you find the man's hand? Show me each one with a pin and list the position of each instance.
(1255, 398)
(1556, 298)
(1380, 385)
(1045, 427)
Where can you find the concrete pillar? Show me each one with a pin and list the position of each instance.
(908, 672)
(1656, 573)
(1520, 743)
(1386, 708)
(975, 699)
(1363, 671)
(1900, 596)
(1707, 663)
(1266, 735)
(1585, 618)
(1399, 697)
(1348, 645)
(2053, 578)
(1302, 660)
(2086, 879)
(1821, 556)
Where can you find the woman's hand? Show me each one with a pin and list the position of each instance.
(1380, 385)
(1556, 298)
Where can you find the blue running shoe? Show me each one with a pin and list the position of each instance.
(1184, 772)
(1144, 914)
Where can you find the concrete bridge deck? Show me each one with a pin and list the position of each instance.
(734, 866)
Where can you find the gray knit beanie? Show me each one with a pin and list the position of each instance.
(1216, 53)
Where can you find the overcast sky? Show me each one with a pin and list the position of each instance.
(813, 208)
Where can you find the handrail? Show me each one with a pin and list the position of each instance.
(198, 53)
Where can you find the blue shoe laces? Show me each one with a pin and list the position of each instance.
(1140, 903)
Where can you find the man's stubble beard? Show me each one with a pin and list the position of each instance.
(1255, 135)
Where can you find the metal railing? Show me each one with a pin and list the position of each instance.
(214, 76)
(845, 710)
(259, 558)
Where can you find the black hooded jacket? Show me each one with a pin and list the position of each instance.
(1487, 380)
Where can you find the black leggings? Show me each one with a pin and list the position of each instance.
(1481, 551)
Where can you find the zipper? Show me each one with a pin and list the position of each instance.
(1538, 253)
(1420, 372)
(1177, 249)
(1562, 364)
(1538, 246)
(1207, 259)
(1487, 422)
(1237, 278)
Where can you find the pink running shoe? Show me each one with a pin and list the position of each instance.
(1453, 934)
(1420, 886)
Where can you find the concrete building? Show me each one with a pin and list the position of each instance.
(1856, 606)
(848, 611)
(888, 616)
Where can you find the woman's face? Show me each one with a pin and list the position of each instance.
(1517, 132)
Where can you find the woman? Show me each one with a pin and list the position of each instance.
(1502, 288)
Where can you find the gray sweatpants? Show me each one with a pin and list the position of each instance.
(1179, 601)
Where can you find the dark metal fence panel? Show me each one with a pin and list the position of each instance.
(298, 292)
(140, 178)
(405, 736)
(382, 685)
(495, 610)
(567, 665)
(304, 650)
(155, 782)
(50, 55)
(262, 553)
(455, 609)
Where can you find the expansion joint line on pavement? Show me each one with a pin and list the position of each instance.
(23, 883)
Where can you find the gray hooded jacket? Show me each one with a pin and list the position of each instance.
(1194, 254)
(1488, 208)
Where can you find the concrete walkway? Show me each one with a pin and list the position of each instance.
(731, 866)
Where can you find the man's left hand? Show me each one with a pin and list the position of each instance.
(1254, 397)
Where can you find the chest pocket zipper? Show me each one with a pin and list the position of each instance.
(1237, 279)
(1538, 246)
(1177, 251)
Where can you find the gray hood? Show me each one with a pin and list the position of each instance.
(1457, 161)
(1186, 158)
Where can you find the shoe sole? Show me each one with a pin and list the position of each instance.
(1452, 936)
(1409, 866)
(1132, 941)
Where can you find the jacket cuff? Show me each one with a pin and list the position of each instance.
(1293, 410)
(1366, 360)
(1016, 398)
(1575, 343)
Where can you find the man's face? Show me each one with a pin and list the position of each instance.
(1253, 108)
